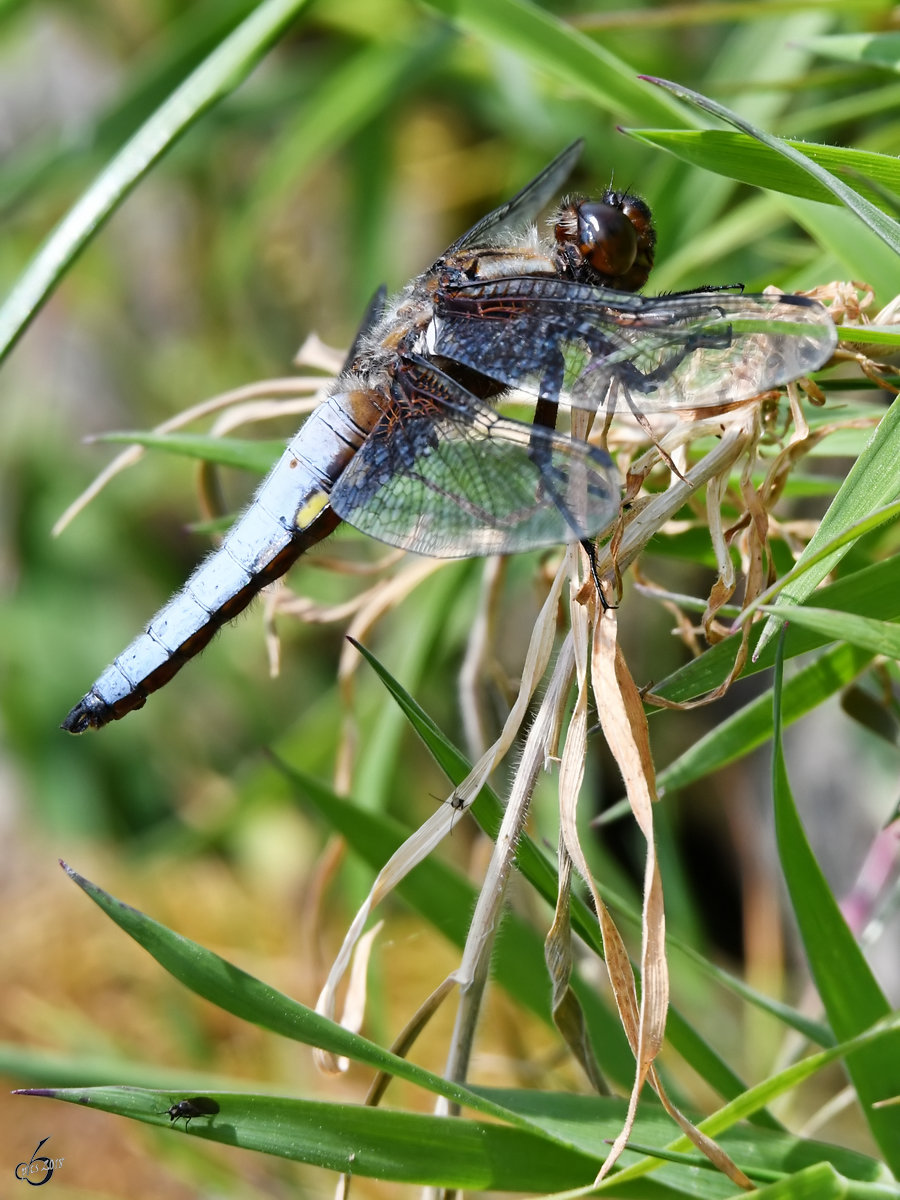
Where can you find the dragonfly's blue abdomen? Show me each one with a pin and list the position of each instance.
(289, 514)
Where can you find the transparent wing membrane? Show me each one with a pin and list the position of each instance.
(447, 476)
(572, 341)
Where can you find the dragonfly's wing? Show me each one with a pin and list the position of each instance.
(371, 317)
(525, 205)
(442, 474)
(590, 346)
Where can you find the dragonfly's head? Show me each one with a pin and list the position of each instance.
(609, 241)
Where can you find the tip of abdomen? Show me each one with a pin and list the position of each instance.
(89, 713)
(93, 711)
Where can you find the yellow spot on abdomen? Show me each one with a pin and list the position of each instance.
(308, 512)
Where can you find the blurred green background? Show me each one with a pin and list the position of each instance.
(366, 139)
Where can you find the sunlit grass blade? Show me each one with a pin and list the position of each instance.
(866, 49)
(879, 637)
(446, 900)
(872, 592)
(719, 1124)
(542, 875)
(773, 1151)
(373, 1142)
(751, 726)
(222, 983)
(551, 45)
(47, 161)
(43, 1068)
(245, 453)
(822, 1182)
(226, 67)
(849, 991)
(881, 224)
(740, 157)
(872, 484)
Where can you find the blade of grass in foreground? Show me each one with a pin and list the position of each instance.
(374, 1142)
(872, 483)
(751, 726)
(564, 53)
(542, 876)
(879, 222)
(849, 991)
(738, 156)
(222, 983)
(220, 73)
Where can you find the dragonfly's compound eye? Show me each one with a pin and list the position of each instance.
(603, 236)
(608, 241)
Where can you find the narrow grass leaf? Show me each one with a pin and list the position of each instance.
(543, 877)
(849, 991)
(822, 1182)
(223, 984)
(872, 483)
(40, 1068)
(220, 73)
(741, 157)
(563, 52)
(359, 1140)
(878, 636)
(245, 453)
(879, 222)
(751, 726)
(446, 900)
(867, 49)
(577, 1118)
(872, 592)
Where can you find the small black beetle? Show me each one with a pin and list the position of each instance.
(197, 1106)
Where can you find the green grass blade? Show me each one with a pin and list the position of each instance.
(245, 453)
(751, 726)
(42, 1068)
(220, 73)
(372, 1142)
(872, 592)
(878, 636)
(47, 161)
(849, 991)
(879, 222)
(776, 1152)
(222, 983)
(867, 49)
(738, 156)
(872, 483)
(446, 900)
(822, 1182)
(542, 876)
(563, 52)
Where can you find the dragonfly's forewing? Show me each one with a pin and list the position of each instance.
(586, 344)
(525, 205)
(445, 475)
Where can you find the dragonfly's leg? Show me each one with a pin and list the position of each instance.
(591, 551)
(546, 411)
(545, 414)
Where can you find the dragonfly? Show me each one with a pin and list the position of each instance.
(408, 445)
